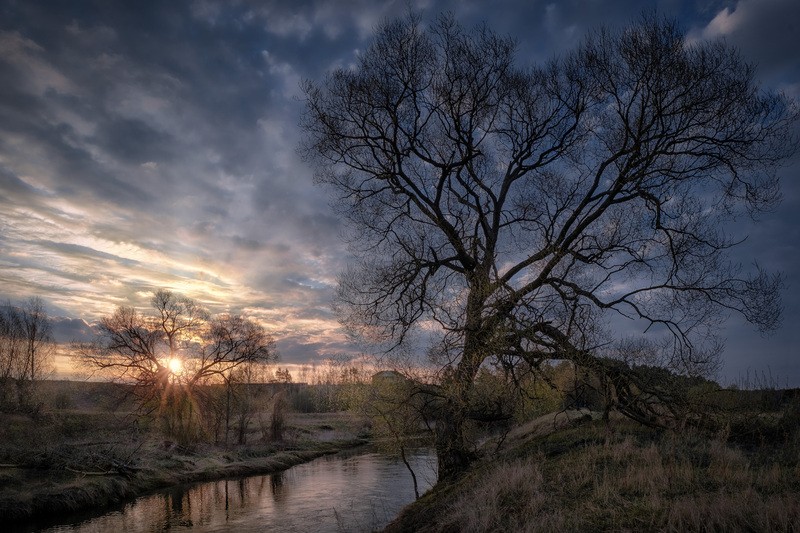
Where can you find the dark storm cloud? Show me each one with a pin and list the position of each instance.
(315, 313)
(73, 166)
(76, 250)
(298, 349)
(153, 144)
(72, 330)
(133, 141)
(130, 85)
(41, 285)
(12, 186)
(766, 31)
(255, 245)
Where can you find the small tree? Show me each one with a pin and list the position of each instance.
(26, 349)
(277, 423)
(397, 411)
(508, 210)
(283, 376)
(169, 354)
(11, 350)
(244, 398)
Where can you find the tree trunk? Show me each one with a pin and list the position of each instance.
(411, 470)
(227, 411)
(452, 452)
(452, 448)
(243, 423)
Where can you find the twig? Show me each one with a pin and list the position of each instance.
(84, 473)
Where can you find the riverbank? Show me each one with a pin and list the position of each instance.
(61, 465)
(586, 475)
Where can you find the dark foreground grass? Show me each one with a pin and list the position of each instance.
(72, 461)
(52, 497)
(623, 478)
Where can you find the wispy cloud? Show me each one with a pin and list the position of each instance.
(153, 144)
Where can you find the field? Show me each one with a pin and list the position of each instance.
(86, 448)
(573, 470)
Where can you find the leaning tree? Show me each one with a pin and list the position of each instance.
(508, 210)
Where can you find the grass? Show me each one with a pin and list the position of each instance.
(620, 478)
(92, 454)
(564, 472)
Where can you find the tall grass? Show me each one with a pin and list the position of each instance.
(582, 480)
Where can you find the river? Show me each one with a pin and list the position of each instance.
(350, 491)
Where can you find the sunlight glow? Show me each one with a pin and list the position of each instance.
(175, 366)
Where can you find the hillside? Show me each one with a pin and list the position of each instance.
(583, 474)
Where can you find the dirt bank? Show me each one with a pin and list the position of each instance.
(105, 462)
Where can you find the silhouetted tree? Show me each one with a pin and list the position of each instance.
(282, 375)
(506, 209)
(166, 355)
(26, 350)
(11, 350)
(396, 410)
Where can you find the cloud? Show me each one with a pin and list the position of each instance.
(766, 31)
(724, 23)
(289, 80)
(66, 329)
(132, 164)
(153, 144)
(31, 69)
(330, 19)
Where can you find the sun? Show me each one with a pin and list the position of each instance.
(175, 366)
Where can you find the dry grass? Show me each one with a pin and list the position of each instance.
(68, 459)
(587, 479)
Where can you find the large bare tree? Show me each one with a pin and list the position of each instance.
(509, 210)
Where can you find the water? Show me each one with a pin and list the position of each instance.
(343, 492)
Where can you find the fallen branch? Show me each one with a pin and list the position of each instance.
(85, 473)
(118, 469)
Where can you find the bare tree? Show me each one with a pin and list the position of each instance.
(26, 349)
(11, 350)
(177, 316)
(167, 355)
(505, 208)
(396, 410)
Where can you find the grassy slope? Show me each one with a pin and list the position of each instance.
(592, 477)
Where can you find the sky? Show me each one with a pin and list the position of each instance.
(148, 145)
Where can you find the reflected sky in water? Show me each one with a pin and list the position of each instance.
(361, 492)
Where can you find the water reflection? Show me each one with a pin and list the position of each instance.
(337, 493)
